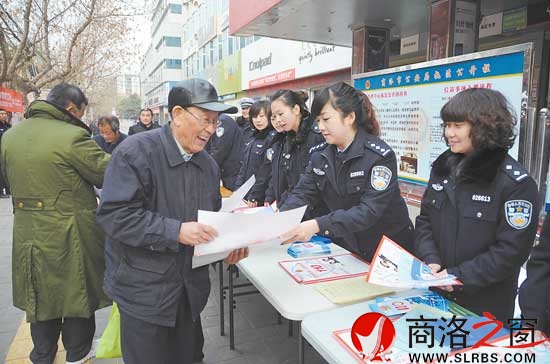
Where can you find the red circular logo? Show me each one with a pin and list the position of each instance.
(372, 335)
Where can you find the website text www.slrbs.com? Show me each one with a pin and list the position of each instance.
(473, 358)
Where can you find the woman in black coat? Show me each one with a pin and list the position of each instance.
(534, 294)
(479, 213)
(355, 176)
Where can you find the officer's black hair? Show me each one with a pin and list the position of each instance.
(488, 112)
(257, 108)
(63, 94)
(291, 98)
(110, 120)
(346, 99)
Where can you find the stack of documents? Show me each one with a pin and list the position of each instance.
(239, 230)
(346, 291)
(393, 266)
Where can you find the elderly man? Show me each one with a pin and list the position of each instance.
(145, 122)
(154, 186)
(110, 135)
(52, 164)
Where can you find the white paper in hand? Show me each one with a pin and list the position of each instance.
(232, 202)
(241, 230)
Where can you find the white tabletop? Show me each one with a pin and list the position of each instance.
(292, 300)
(317, 329)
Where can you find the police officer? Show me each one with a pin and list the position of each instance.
(255, 152)
(225, 147)
(355, 176)
(154, 186)
(303, 137)
(272, 162)
(479, 213)
(244, 120)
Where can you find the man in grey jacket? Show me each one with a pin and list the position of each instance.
(154, 186)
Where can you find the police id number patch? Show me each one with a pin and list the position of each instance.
(518, 213)
(380, 178)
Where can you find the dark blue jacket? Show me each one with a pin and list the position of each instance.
(226, 149)
(480, 226)
(140, 127)
(273, 160)
(253, 161)
(360, 189)
(148, 191)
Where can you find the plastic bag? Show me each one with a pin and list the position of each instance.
(109, 343)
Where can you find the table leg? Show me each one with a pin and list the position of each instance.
(300, 344)
(231, 303)
(222, 311)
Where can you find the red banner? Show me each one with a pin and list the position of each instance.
(11, 100)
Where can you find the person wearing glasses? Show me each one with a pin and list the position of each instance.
(153, 188)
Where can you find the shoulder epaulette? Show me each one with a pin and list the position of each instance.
(378, 146)
(315, 127)
(514, 170)
(318, 147)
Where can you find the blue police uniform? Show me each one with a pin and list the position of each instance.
(359, 187)
(478, 220)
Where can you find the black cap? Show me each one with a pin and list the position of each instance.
(199, 93)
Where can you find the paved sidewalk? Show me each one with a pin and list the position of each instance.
(258, 337)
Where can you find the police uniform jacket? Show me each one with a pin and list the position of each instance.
(262, 191)
(254, 154)
(139, 127)
(534, 294)
(359, 186)
(296, 154)
(277, 184)
(149, 190)
(479, 224)
(225, 147)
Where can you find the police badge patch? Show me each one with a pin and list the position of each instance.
(219, 131)
(318, 171)
(269, 154)
(518, 213)
(380, 178)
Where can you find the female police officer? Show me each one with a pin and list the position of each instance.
(302, 138)
(356, 177)
(479, 213)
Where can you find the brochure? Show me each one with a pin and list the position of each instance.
(322, 269)
(393, 266)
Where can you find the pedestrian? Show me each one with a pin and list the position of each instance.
(479, 213)
(255, 152)
(4, 126)
(154, 187)
(110, 135)
(145, 122)
(355, 177)
(303, 137)
(226, 149)
(52, 165)
(534, 294)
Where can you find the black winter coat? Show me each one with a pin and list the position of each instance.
(225, 147)
(140, 127)
(148, 191)
(480, 226)
(359, 187)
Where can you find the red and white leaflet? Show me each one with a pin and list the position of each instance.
(393, 266)
(322, 269)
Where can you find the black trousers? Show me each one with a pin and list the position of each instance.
(145, 343)
(77, 335)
